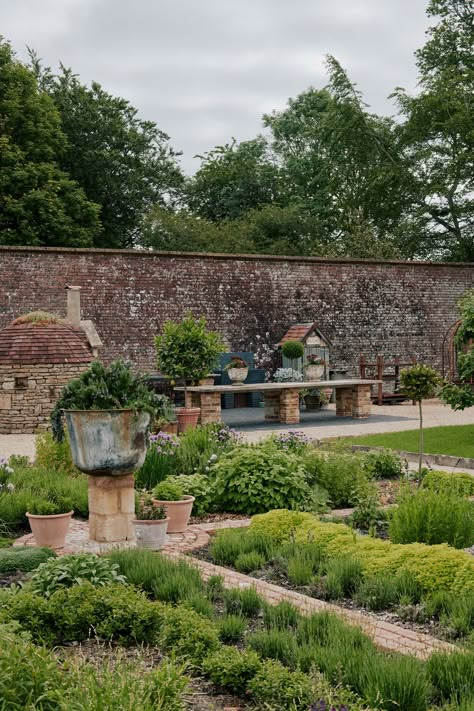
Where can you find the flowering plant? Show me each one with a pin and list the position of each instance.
(164, 443)
(5, 471)
(313, 359)
(287, 375)
(236, 362)
(292, 441)
(145, 510)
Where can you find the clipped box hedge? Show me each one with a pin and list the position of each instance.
(437, 567)
(23, 558)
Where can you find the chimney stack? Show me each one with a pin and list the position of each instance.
(74, 305)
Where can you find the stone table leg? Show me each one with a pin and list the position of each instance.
(111, 512)
(289, 406)
(210, 408)
(344, 402)
(272, 405)
(361, 401)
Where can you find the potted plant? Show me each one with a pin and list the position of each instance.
(314, 367)
(150, 524)
(187, 350)
(293, 350)
(314, 399)
(107, 410)
(287, 375)
(237, 370)
(178, 506)
(49, 521)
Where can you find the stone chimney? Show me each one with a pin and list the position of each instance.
(74, 305)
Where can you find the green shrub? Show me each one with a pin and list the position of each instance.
(339, 473)
(201, 446)
(160, 461)
(215, 587)
(461, 613)
(198, 602)
(452, 675)
(251, 479)
(367, 514)
(227, 545)
(50, 454)
(282, 616)
(48, 507)
(199, 486)
(275, 644)
(231, 628)
(23, 558)
(384, 464)
(299, 569)
(116, 612)
(438, 567)
(456, 483)
(247, 562)
(232, 669)
(168, 490)
(246, 602)
(426, 516)
(74, 569)
(188, 634)
(275, 687)
(395, 683)
(163, 579)
(378, 592)
(343, 575)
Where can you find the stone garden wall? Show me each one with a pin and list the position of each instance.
(362, 306)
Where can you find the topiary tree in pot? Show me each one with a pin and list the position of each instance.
(293, 350)
(419, 383)
(187, 350)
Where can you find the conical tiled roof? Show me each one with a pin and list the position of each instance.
(32, 343)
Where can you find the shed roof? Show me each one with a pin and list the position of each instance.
(32, 343)
(300, 331)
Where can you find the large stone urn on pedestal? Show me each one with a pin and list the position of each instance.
(108, 445)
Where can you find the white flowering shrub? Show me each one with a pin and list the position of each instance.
(287, 375)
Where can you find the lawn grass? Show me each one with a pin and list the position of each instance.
(456, 440)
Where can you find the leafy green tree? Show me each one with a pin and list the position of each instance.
(420, 382)
(459, 397)
(437, 138)
(233, 179)
(39, 203)
(124, 164)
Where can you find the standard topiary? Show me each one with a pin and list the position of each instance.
(253, 479)
(23, 558)
(292, 349)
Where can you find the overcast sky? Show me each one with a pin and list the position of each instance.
(206, 70)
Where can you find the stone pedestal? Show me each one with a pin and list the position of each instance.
(210, 408)
(111, 512)
(361, 402)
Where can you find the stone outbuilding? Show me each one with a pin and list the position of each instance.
(39, 354)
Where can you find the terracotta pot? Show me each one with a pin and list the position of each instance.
(151, 534)
(237, 375)
(50, 530)
(107, 442)
(169, 428)
(328, 392)
(178, 512)
(314, 372)
(187, 417)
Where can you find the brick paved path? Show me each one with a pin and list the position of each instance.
(387, 636)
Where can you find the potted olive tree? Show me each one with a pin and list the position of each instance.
(150, 523)
(187, 350)
(49, 520)
(107, 411)
(178, 506)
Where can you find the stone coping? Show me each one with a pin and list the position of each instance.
(179, 546)
(442, 460)
(257, 387)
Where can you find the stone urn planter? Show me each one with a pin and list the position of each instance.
(50, 530)
(188, 417)
(178, 512)
(237, 375)
(151, 534)
(314, 372)
(107, 442)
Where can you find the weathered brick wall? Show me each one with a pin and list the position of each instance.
(369, 307)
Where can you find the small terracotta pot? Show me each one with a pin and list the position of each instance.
(151, 534)
(178, 512)
(169, 428)
(187, 417)
(50, 530)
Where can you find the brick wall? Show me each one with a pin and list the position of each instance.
(369, 307)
